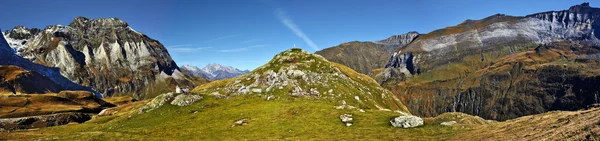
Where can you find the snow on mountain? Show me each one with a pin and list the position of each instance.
(213, 71)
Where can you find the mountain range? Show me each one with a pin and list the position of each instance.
(213, 71)
(106, 55)
(500, 67)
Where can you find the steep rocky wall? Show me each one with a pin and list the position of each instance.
(105, 54)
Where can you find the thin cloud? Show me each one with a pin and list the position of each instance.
(184, 45)
(250, 41)
(285, 20)
(221, 38)
(241, 49)
(189, 49)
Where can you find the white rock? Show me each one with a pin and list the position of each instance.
(346, 119)
(406, 121)
(185, 99)
(257, 90)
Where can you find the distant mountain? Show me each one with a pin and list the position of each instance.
(213, 71)
(193, 71)
(365, 57)
(105, 54)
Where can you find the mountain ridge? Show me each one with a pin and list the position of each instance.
(106, 54)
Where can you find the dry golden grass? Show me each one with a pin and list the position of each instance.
(557, 125)
(9, 73)
(119, 100)
(41, 104)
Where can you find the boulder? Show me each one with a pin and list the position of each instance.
(406, 121)
(346, 119)
(185, 99)
(241, 122)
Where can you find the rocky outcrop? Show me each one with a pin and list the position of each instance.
(105, 54)
(171, 98)
(157, 102)
(185, 99)
(406, 121)
(43, 121)
(296, 73)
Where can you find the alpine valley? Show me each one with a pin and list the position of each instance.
(530, 77)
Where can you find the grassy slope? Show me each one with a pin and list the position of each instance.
(297, 119)
(360, 56)
(306, 120)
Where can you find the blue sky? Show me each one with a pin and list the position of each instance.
(247, 33)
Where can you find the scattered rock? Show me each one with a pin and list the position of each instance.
(406, 121)
(257, 90)
(343, 102)
(448, 123)
(218, 95)
(270, 97)
(341, 107)
(241, 122)
(185, 99)
(346, 119)
(107, 112)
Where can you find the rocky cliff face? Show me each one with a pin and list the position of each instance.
(499, 33)
(399, 40)
(465, 67)
(364, 57)
(105, 54)
(21, 76)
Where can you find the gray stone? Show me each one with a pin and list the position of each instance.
(185, 99)
(241, 122)
(346, 119)
(157, 102)
(406, 121)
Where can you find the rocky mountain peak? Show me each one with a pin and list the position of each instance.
(84, 22)
(402, 39)
(582, 8)
(21, 32)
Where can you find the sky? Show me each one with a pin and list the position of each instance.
(247, 33)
